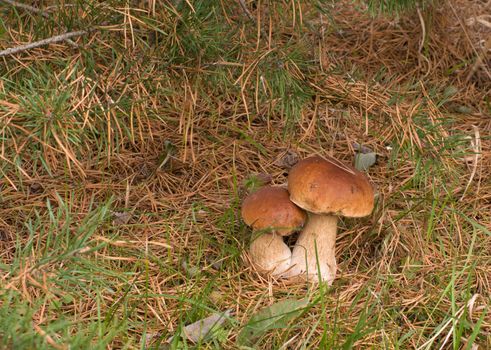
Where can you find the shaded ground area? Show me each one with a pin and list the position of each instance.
(124, 162)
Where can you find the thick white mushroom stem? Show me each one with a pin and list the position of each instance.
(270, 254)
(317, 242)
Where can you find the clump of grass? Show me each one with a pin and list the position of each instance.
(53, 268)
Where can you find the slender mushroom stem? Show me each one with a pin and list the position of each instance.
(317, 242)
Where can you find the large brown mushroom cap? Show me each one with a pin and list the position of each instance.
(327, 186)
(271, 208)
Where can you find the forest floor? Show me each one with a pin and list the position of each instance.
(126, 153)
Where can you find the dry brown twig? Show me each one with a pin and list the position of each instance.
(26, 7)
(57, 6)
(422, 42)
(37, 11)
(246, 10)
(52, 40)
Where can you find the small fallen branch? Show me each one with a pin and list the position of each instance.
(26, 7)
(52, 40)
(40, 12)
(246, 11)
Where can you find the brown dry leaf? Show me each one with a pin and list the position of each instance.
(36, 188)
(288, 159)
(264, 178)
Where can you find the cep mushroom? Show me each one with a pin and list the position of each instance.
(325, 188)
(271, 215)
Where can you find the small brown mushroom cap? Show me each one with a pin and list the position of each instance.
(271, 208)
(327, 186)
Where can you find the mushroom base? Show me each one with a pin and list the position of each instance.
(313, 256)
(269, 254)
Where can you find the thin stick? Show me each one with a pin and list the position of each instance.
(54, 7)
(476, 147)
(54, 39)
(246, 10)
(26, 7)
(422, 42)
(35, 10)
